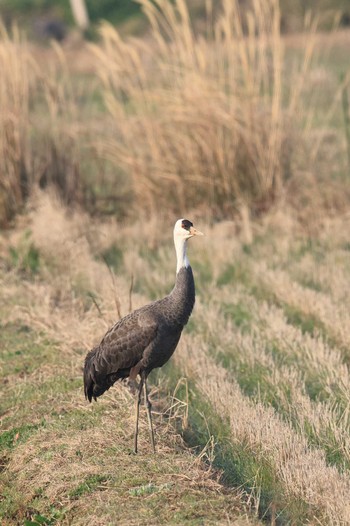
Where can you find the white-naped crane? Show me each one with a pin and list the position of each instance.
(146, 338)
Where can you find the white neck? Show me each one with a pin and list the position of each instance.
(181, 255)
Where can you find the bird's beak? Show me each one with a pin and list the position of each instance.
(195, 232)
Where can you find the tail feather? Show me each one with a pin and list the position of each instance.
(89, 375)
(95, 385)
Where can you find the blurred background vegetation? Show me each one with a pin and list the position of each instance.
(222, 107)
(129, 12)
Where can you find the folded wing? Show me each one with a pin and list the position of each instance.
(121, 349)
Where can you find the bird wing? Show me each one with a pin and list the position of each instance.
(123, 345)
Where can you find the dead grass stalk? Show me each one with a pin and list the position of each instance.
(201, 118)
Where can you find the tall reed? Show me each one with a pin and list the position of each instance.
(16, 84)
(199, 118)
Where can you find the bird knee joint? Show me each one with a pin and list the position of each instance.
(134, 371)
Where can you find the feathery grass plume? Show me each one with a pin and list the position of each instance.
(61, 131)
(200, 118)
(39, 125)
(17, 81)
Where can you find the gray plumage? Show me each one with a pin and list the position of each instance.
(146, 338)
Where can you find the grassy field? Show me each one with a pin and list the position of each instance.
(251, 413)
(102, 148)
(62, 460)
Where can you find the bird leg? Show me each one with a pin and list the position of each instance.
(149, 414)
(137, 407)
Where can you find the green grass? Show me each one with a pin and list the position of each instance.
(236, 272)
(240, 274)
(238, 314)
(28, 262)
(96, 441)
(48, 520)
(56, 463)
(89, 485)
(89, 447)
(239, 467)
(113, 257)
(21, 352)
(255, 379)
(17, 435)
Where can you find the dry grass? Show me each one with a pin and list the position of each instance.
(228, 120)
(300, 474)
(334, 317)
(50, 427)
(219, 121)
(299, 374)
(210, 130)
(266, 396)
(40, 140)
(15, 97)
(260, 385)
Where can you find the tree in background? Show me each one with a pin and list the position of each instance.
(80, 13)
(119, 11)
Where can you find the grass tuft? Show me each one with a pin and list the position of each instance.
(17, 435)
(92, 483)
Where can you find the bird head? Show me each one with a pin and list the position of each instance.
(184, 229)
